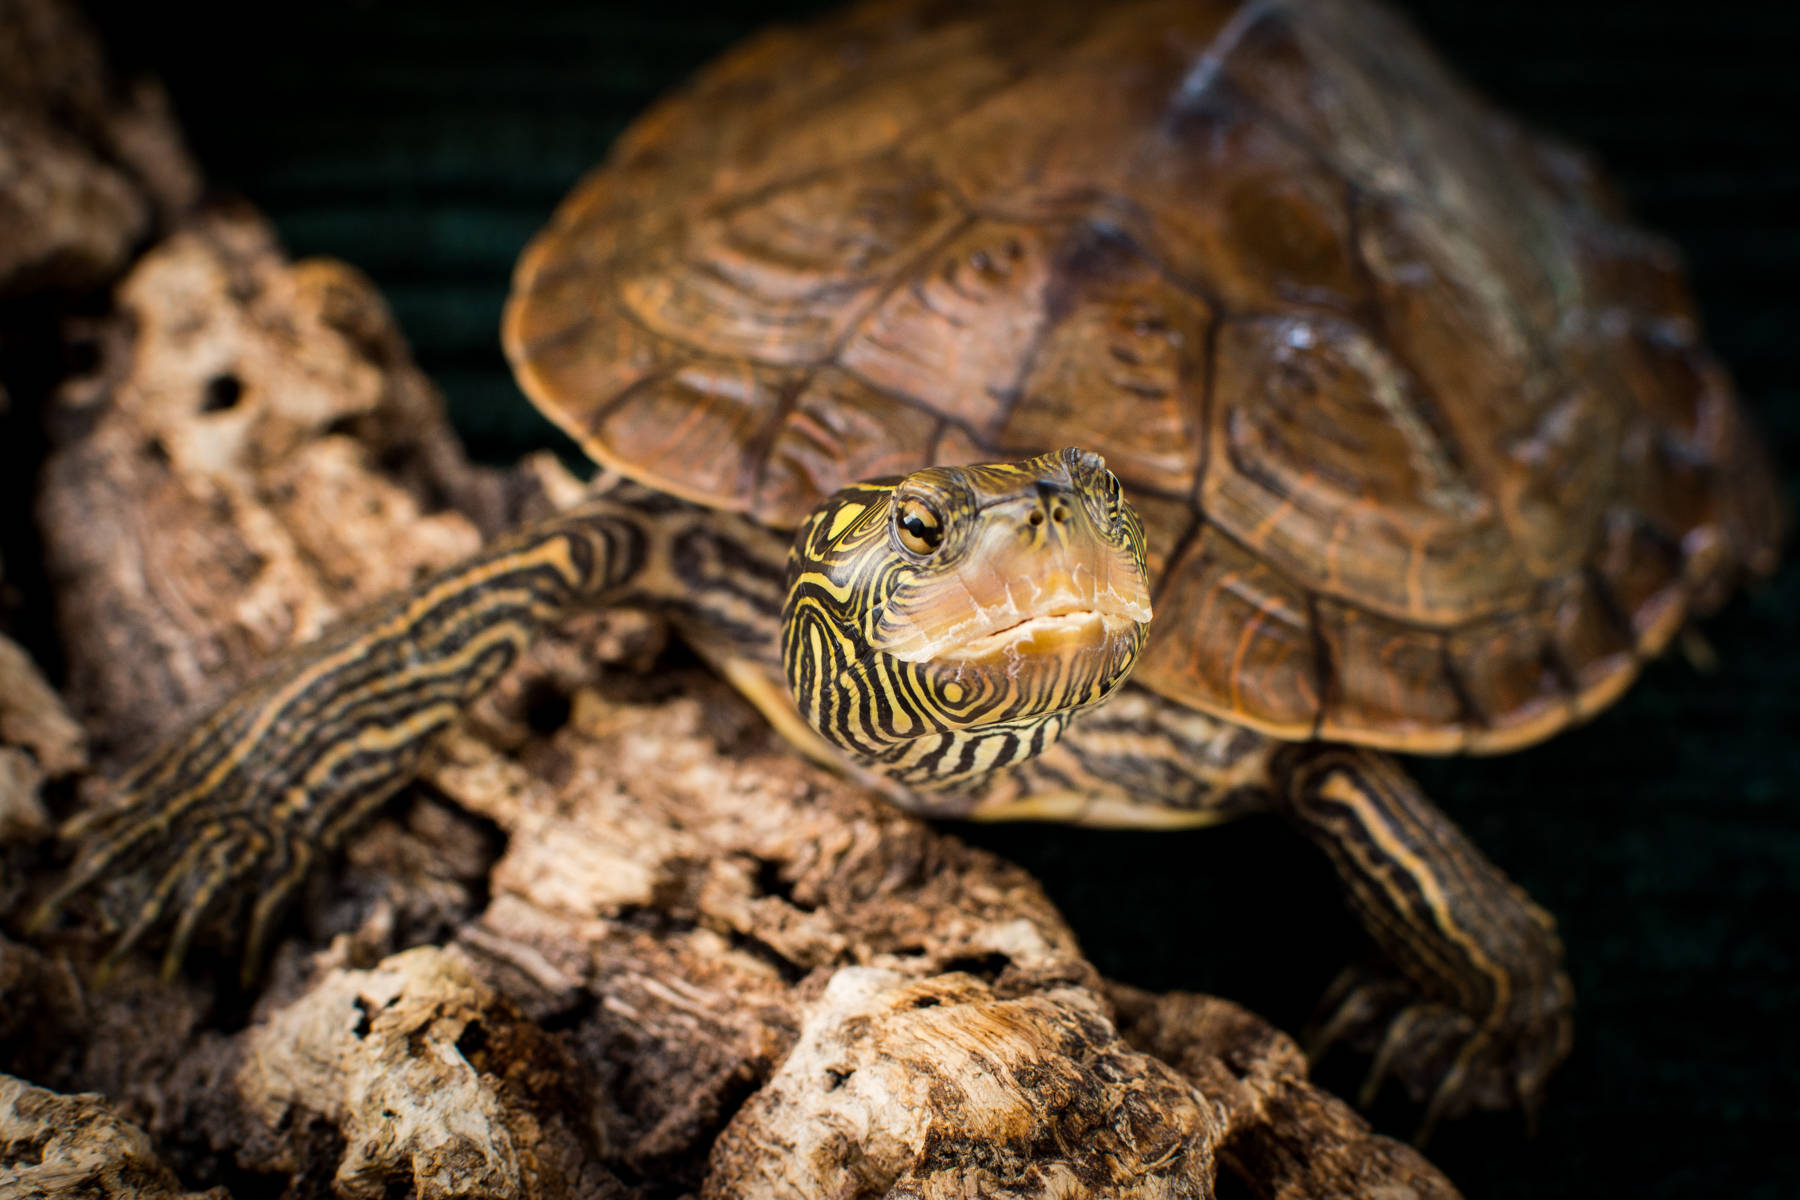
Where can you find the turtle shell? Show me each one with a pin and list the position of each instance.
(1428, 450)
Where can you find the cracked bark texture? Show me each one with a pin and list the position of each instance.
(59, 1146)
(942, 1088)
(221, 461)
(620, 941)
(1293, 1139)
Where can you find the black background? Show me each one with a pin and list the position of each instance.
(426, 141)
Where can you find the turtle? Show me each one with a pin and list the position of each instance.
(1137, 414)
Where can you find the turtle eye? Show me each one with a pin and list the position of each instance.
(920, 528)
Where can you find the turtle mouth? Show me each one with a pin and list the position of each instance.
(1042, 635)
(1056, 587)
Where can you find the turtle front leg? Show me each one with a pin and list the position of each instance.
(1470, 1008)
(1476, 1012)
(233, 811)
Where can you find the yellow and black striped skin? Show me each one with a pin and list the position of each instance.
(885, 651)
(285, 768)
(1479, 1013)
(876, 637)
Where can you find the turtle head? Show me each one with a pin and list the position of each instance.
(964, 603)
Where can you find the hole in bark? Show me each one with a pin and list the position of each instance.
(1228, 1186)
(59, 795)
(408, 461)
(926, 1002)
(222, 393)
(363, 1019)
(770, 882)
(315, 1145)
(987, 967)
(836, 1079)
(580, 1010)
(156, 452)
(790, 971)
(547, 708)
(25, 1152)
(473, 1041)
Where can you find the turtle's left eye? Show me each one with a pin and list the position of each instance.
(920, 527)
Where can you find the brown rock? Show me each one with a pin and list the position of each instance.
(677, 864)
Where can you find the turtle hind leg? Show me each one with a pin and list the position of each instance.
(1471, 1008)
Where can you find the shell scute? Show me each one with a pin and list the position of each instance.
(1511, 679)
(1230, 632)
(1592, 639)
(839, 430)
(1322, 461)
(1120, 365)
(782, 277)
(693, 423)
(955, 336)
(1244, 212)
(1409, 697)
(1071, 132)
(1641, 571)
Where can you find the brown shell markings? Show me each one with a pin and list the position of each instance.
(1429, 453)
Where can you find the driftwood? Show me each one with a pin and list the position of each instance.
(620, 941)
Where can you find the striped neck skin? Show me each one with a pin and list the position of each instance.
(949, 623)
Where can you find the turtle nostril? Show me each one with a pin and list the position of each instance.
(1059, 514)
(1037, 516)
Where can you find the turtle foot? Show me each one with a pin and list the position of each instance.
(147, 877)
(1452, 1061)
(221, 858)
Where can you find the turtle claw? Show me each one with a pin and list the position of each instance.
(1355, 1002)
(1446, 1058)
(155, 865)
(1403, 1031)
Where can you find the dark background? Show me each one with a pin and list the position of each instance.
(425, 142)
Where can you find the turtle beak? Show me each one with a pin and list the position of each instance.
(1042, 580)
